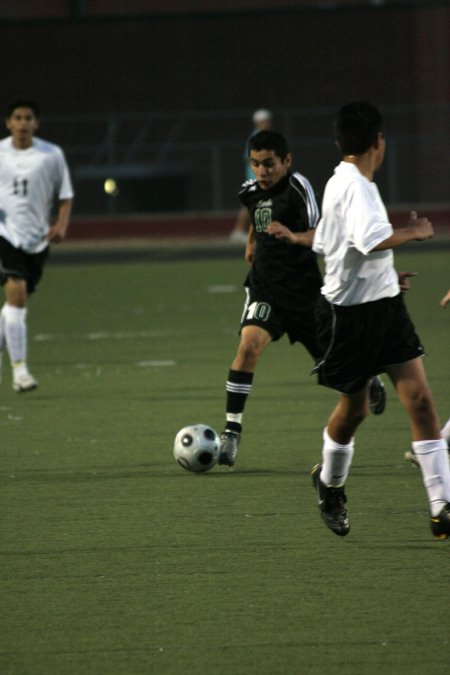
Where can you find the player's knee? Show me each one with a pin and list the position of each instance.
(358, 416)
(421, 403)
(350, 416)
(250, 350)
(357, 413)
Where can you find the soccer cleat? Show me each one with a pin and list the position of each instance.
(410, 456)
(440, 524)
(377, 395)
(332, 504)
(23, 382)
(229, 441)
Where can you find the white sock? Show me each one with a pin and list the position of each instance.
(336, 462)
(445, 432)
(15, 327)
(234, 417)
(434, 464)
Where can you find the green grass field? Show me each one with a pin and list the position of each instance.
(116, 561)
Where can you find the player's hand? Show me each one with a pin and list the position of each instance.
(403, 280)
(422, 226)
(445, 300)
(56, 233)
(250, 251)
(281, 232)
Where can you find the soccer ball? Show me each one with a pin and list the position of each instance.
(196, 448)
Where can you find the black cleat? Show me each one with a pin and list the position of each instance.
(229, 441)
(377, 395)
(440, 524)
(332, 504)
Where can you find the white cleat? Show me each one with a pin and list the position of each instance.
(23, 382)
(411, 457)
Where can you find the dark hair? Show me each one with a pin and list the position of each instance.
(23, 103)
(269, 140)
(356, 127)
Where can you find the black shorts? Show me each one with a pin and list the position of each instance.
(17, 263)
(299, 324)
(359, 341)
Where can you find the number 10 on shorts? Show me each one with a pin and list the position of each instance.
(258, 310)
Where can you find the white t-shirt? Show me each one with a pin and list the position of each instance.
(30, 182)
(354, 221)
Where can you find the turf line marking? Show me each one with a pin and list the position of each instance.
(222, 288)
(102, 335)
(155, 364)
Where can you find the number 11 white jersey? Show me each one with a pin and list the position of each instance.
(30, 182)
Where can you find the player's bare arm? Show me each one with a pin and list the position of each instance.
(58, 230)
(418, 229)
(445, 300)
(250, 246)
(280, 231)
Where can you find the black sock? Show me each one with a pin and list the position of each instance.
(238, 387)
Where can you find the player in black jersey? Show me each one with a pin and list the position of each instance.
(284, 280)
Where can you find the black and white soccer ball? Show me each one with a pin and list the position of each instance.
(196, 448)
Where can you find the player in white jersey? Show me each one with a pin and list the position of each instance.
(363, 325)
(34, 178)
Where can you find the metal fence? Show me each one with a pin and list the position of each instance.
(194, 161)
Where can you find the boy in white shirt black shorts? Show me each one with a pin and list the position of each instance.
(33, 177)
(363, 325)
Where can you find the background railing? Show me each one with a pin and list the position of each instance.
(194, 161)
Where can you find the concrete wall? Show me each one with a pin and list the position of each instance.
(284, 59)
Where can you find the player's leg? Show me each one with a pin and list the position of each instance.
(429, 448)
(20, 273)
(445, 433)
(14, 314)
(252, 343)
(330, 475)
(342, 338)
(348, 414)
(410, 382)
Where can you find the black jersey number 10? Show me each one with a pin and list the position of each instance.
(263, 218)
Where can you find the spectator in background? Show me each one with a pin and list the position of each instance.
(33, 176)
(262, 120)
